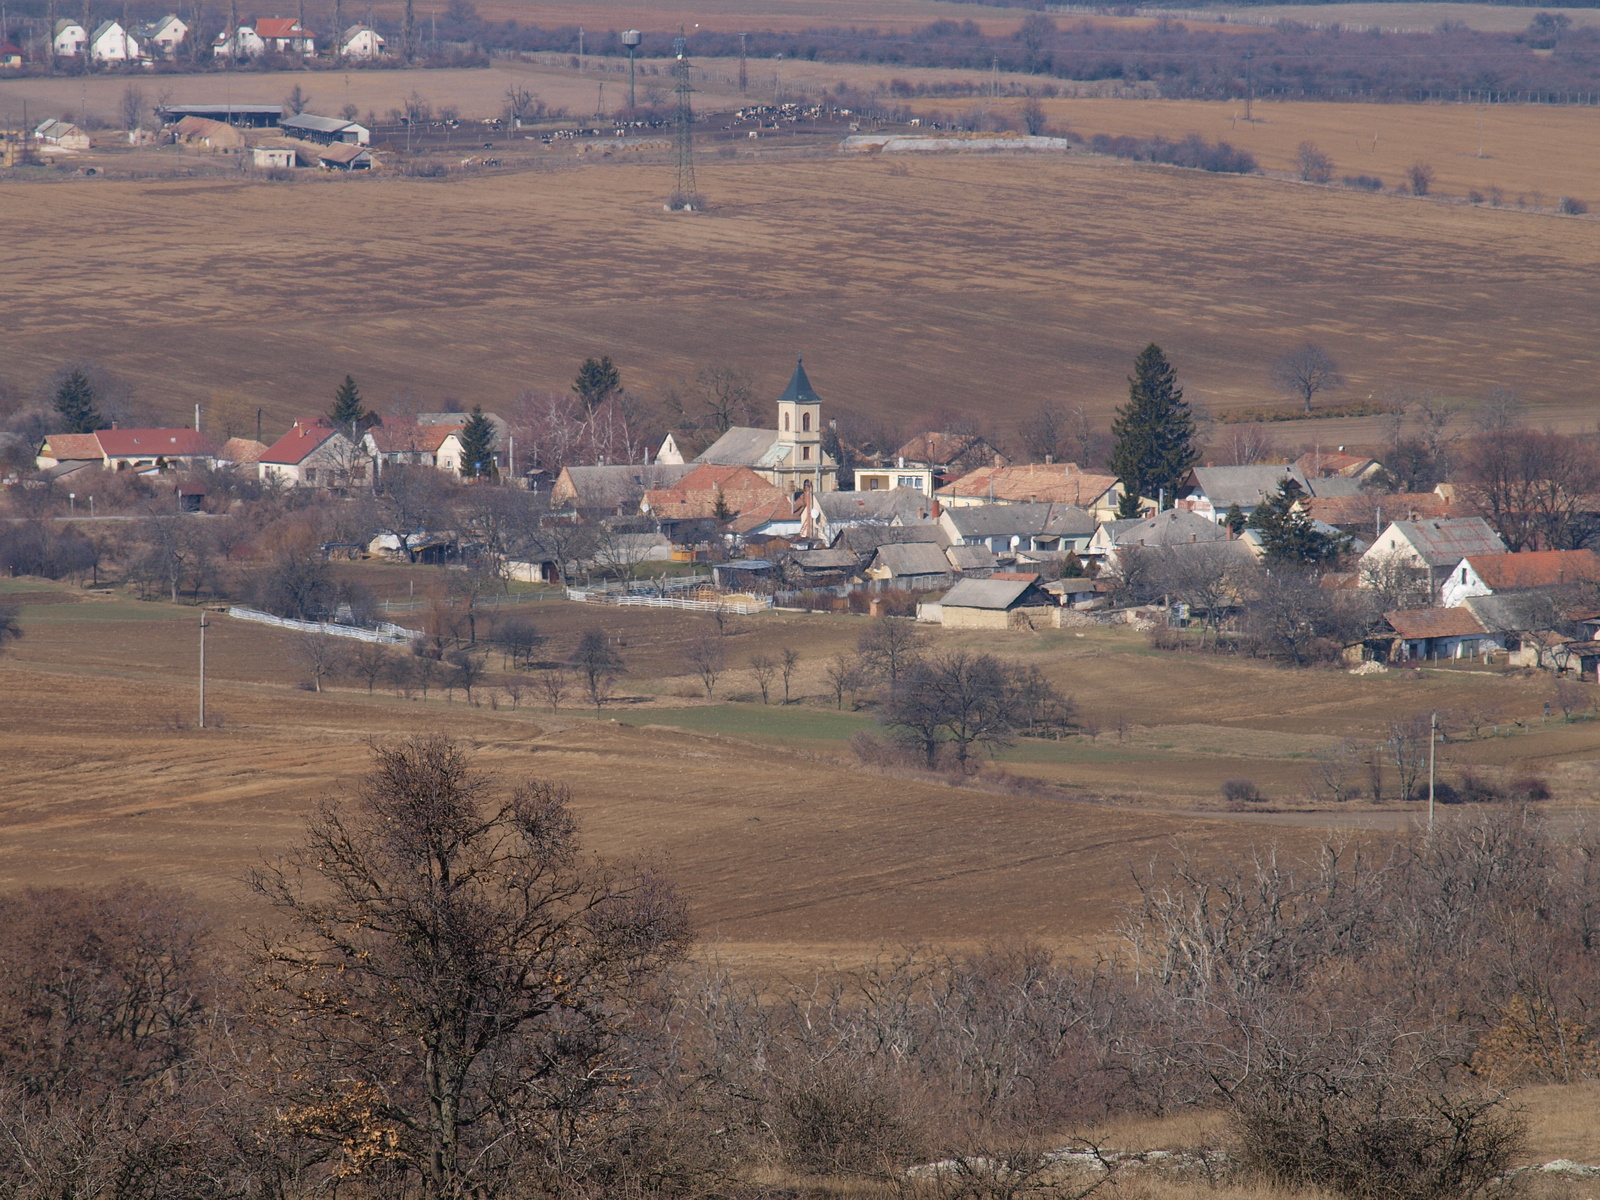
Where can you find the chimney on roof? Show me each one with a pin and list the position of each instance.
(996, 462)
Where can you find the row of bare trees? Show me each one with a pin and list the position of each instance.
(445, 997)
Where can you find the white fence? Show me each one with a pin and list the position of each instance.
(735, 604)
(386, 633)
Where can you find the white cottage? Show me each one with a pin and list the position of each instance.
(69, 38)
(163, 37)
(361, 41)
(111, 42)
(313, 454)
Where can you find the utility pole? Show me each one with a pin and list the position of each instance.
(1249, 86)
(1480, 127)
(1433, 740)
(202, 668)
(744, 79)
(580, 47)
(994, 69)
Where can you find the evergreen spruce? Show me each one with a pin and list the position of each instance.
(1154, 434)
(75, 402)
(597, 382)
(348, 413)
(477, 446)
(1234, 519)
(1287, 534)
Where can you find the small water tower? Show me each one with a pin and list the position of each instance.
(631, 39)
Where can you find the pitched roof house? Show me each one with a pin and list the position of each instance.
(911, 565)
(163, 36)
(1212, 491)
(405, 443)
(1176, 526)
(361, 41)
(1433, 633)
(112, 42)
(313, 454)
(1041, 483)
(69, 38)
(285, 35)
(10, 54)
(1488, 575)
(1369, 510)
(1429, 545)
(1320, 464)
(1006, 527)
(242, 452)
(124, 449)
(612, 489)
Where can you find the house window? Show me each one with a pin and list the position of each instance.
(805, 453)
(805, 422)
(311, 475)
(909, 481)
(786, 422)
(1463, 574)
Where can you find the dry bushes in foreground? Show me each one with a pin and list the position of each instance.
(454, 1001)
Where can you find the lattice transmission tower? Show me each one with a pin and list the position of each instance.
(685, 196)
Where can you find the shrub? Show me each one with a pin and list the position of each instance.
(1420, 176)
(1365, 183)
(1472, 788)
(1193, 151)
(1475, 196)
(1241, 791)
(1528, 788)
(1572, 206)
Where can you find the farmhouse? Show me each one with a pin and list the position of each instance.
(709, 492)
(69, 38)
(1004, 528)
(1491, 574)
(111, 42)
(1427, 547)
(989, 603)
(596, 491)
(125, 449)
(1037, 483)
(10, 54)
(1325, 464)
(161, 38)
(1434, 633)
(789, 455)
(238, 43)
(285, 35)
(405, 443)
(313, 454)
(1212, 491)
(360, 41)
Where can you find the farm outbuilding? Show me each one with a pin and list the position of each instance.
(271, 157)
(327, 130)
(345, 158)
(989, 603)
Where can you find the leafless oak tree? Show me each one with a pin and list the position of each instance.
(1305, 371)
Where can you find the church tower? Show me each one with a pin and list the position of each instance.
(800, 421)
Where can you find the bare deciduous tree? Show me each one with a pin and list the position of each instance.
(553, 685)
(889, 646)
(454, 982)
(763, 667)
(706, 658)
(322, 657)
(1314, 166)
(1305, 371)
(788, 661)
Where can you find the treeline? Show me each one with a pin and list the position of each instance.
(1182, 61)
(444, 996)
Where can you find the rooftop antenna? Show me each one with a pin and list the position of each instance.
(684, 198)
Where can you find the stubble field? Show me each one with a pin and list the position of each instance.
(971, 284)
(793, 855)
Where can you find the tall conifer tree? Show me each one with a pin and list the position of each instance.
(477, 445)
(1154, 433)
(348, 413)
(75, 402)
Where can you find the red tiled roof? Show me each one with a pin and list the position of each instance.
(147, 443)
(1536, 568)
(280, 27)
(242, 450)
(405, 437)
(1363, 510)
(1058, 483)
(940, 448)
(297, 445)
(73, 447)
(1434, 623)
